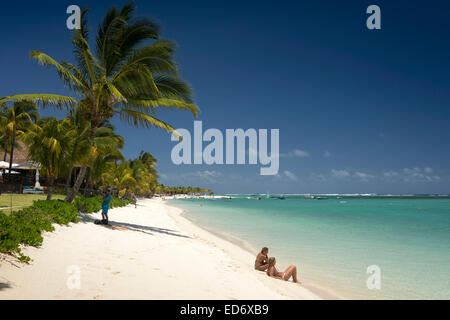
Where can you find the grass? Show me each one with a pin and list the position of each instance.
(22, 200)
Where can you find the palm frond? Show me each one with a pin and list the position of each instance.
(152, 105)
(69, 79)
(43, 99)
(140, 119)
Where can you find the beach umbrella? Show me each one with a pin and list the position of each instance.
(5, 165)
(27, 166)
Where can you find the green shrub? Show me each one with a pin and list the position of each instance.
(88, 205)
(60, 212)
(25, 226)
(116, 202)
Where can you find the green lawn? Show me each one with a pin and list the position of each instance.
(22, 200)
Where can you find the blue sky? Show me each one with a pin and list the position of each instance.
(358, 110)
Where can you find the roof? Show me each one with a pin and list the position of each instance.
(20, 155)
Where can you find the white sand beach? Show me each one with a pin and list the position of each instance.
(151, 253)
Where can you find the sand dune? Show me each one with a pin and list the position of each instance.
(151, 252)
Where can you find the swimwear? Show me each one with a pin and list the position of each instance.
(284, 273)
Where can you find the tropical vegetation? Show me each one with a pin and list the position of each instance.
(128, 72)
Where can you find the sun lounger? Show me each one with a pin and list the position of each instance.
(32, 191)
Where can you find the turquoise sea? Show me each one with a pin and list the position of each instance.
(335, 239)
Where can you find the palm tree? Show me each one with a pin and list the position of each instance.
(107, 145)
(120, 177)
(122, 76)
(80, 147)
(4, 132)
(15, 121)
(150, 162)
(49, 144)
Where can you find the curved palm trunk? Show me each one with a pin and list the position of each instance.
(13, 141)
(82, 172)
(68, 181)
(4, 156)
(76, 187)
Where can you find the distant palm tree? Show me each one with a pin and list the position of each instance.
(15, 121)
(49, 144)
(120, 177)
(123, 76)
(149, 162)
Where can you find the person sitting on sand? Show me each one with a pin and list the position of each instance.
(261, 262)
(105, 206)
(291, 271)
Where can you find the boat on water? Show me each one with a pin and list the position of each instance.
(318, 198)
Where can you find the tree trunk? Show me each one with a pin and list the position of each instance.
(50, 187)
(4, 156)
(77, 185)
(13, 141)
(86, 186)
(82, 173)
(68, 181)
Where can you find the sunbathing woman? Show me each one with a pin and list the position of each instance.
(291, 271)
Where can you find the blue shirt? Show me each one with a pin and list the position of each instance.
(105, 205)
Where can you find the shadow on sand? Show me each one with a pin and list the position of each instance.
(4, 286)
(86, 218)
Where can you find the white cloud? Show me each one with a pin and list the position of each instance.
(290, 175)
(419, 175)
(340, 173)
(318, 177)
(301, 153)
(296, 153)
(327, 154)
(286, 174)
(363, 176)
(390, 174)
(428, 170)
(162, 175)
(206, 175)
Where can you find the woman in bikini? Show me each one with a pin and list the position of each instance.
(291, 271)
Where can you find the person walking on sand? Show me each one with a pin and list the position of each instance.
(105, 206)
(135, 201)
(261, 262)
(273, 272)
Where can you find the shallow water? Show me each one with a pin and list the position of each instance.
(334, 241)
